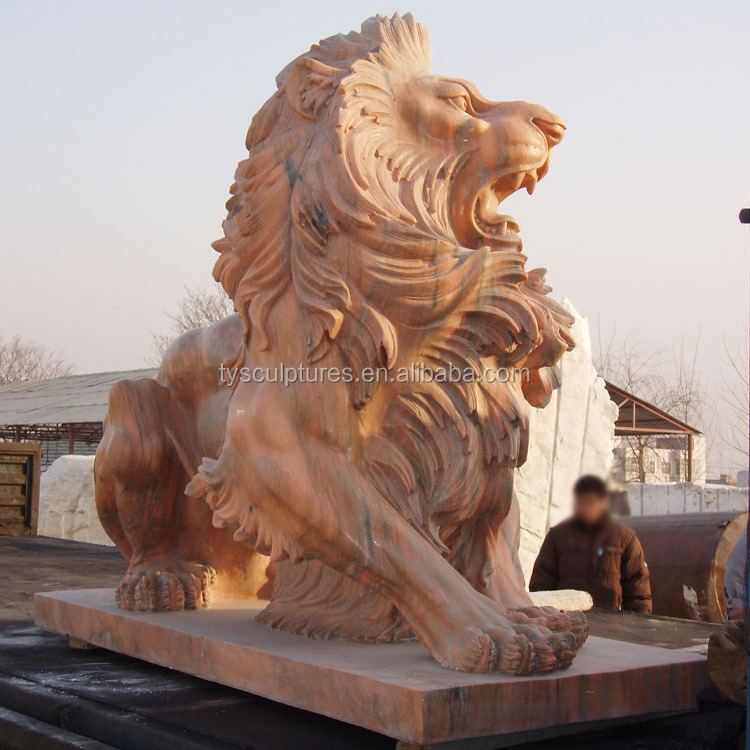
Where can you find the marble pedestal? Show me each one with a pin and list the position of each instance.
(396, 689)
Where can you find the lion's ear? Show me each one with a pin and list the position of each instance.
(309, 85)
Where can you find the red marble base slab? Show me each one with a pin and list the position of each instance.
(396, 689)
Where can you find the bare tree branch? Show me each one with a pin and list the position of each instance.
(26, 360)
(734, 393)
(197, 309)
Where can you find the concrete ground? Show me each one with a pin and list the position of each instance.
(54, 697)
(33, 564)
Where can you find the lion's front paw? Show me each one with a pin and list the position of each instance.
(166, 586)
(525, 641)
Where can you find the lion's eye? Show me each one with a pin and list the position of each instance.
(461, 101)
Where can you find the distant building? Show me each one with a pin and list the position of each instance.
(63, 414)
(664, 459)
(725, 479)
(652, 446)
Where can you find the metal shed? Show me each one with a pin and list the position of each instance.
(637, 417)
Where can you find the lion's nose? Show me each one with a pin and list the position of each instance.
(553, 131)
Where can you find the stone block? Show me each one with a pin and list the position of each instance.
(66, 502)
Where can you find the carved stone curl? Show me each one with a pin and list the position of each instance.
(364, 250)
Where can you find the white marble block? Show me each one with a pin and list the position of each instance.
(66, 501)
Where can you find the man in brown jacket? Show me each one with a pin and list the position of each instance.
(592, 552)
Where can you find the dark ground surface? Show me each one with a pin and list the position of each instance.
(54, 697)
(32, 564)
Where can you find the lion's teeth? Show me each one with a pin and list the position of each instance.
(530, 182)
(504, 226)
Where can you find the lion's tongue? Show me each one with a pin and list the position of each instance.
(490, 221)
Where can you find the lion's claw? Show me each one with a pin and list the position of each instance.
(554, 620)
(166, 587)
(500, 649)
(471, 651)
(517, 656)
(564, 646)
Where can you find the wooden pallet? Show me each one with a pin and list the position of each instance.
(19, 488)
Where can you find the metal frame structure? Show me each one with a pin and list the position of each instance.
(638, 417)
(81, 438)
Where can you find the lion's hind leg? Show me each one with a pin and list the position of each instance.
(138, 482)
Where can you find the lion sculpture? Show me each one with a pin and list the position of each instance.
(362, 237)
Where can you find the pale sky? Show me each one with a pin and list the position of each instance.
(122, 124)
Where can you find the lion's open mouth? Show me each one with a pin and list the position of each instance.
(499, 229)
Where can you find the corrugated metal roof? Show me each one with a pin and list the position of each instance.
(72, 398)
